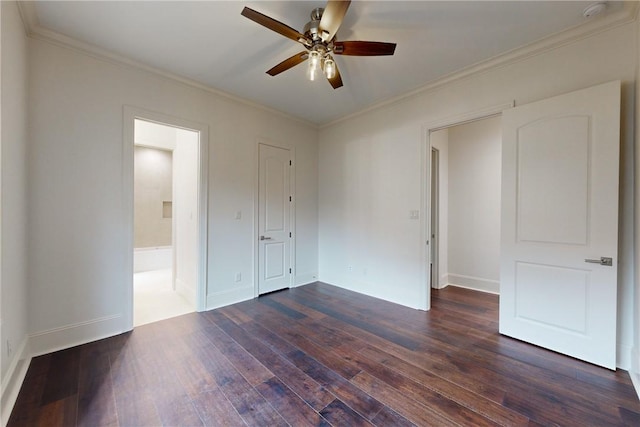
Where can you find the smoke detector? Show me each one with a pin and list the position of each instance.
(594, 9)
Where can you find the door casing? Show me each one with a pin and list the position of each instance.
(130, 114)
(425, 183)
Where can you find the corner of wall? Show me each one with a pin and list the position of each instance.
(12, 382)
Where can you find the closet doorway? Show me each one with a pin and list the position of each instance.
(465, 185)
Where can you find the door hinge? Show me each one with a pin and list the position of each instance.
(289, 271)
(290, 163)
(289, 198)
(289, 234)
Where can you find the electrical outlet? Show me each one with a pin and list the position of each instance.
(238, 277)
(9, 348)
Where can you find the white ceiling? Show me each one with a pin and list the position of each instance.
(211, 43)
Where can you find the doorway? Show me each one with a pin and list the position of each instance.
(171, 269)
(165, 226)
(463, 186)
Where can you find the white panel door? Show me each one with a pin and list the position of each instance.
(559, 217)
(274, 244)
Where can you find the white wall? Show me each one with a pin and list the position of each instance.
(152, 187)
(635, 365)
(77, 243)
(185, 163)
(370, 168)
(13, 202)
(155, 135)
(474, 204)
(440, 141)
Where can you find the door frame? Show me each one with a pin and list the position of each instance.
(130, 114)
(256, 212)
(434, 219)
(425, 185)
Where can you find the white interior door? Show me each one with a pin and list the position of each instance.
(274, 244)
(559, 217)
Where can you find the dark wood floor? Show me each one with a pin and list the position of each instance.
(320, 355)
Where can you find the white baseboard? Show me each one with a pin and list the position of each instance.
(13, 380)
(475, 283)
(72, 335)
(635, 379)
(305, 279)
(624, 356)
(188, 292)
(224, 298)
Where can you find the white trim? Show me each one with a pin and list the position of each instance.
(476, 283)
(635, 379)
(130, 113)
(471, 289)
(187, 292)
(623, 356)
(305, 279)
(232, 296)
(425, 183)
(76, 334)
(13, 379)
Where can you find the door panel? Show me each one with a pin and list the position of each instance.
(273, 219)
(559, 208)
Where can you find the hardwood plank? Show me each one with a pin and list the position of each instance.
(96, 398)
(62, 382)
(136, 410)
(251, 406)
(307, 388)
(243, 361)
(287, 311)
(348, 393)
(382, 332)
(61, 412)
(285, 299)
(408, 408)
(417, 382)
(303, 385)
(339, 414)
(215, 409)
(293, 409)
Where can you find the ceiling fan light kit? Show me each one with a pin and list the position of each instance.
(319, 39)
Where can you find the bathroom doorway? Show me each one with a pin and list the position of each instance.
(165, 258)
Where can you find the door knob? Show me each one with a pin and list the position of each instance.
(265, 238)
(602, 261)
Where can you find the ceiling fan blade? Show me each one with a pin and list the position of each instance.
(288, 63)
(357, 48)
(332, 18)
(274, 25)
(336, 81)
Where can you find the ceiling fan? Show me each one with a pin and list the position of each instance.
(319, 39)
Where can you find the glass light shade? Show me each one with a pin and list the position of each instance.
(314, 65)
(329, 67)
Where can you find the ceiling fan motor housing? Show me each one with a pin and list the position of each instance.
(312, 28)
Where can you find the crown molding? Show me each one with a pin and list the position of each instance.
(629, 13)
(35, 31)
